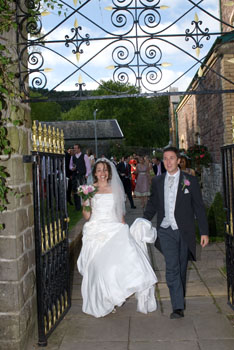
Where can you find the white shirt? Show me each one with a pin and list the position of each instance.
(86, 160)
(170, 195)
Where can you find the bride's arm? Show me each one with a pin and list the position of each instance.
(86, 214)
(123, 220)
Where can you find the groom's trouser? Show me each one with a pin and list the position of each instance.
(175, 251)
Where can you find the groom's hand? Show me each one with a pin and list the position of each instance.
(204, 240)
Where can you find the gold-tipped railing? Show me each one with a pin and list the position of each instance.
(47, 140)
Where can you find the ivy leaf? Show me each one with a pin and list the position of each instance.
(7, 151)
(17, 122)
(3, 90)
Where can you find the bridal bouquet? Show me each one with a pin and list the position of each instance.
(87, 192)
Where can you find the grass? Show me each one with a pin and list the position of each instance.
(216, 239)
(74, 215)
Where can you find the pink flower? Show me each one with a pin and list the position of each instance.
(85, 189)
(90, 188)
(86, 192)
(185, 183)
(202, 155)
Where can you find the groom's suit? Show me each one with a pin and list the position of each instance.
(188, 206)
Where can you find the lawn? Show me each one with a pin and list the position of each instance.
(74, 215)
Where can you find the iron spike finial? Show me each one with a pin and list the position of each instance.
(34, 136)
(45, 138)
(54, 142)
(40, 138)
(62, 141)
(58, 141)
(50, 139)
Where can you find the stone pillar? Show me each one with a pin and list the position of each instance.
(17, 261)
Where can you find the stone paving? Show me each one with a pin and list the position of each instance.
(206, 325)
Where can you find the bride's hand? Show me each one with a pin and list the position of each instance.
(86, 203)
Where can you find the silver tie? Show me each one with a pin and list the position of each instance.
(170, 181)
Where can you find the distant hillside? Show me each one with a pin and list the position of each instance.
(58, 95)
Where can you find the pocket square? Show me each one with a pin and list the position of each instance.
(186, 191)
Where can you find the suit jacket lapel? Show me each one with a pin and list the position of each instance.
(179, 196)
(161, 188)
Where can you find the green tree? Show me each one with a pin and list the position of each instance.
(44, 111)
(144, 121)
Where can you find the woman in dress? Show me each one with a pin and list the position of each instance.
(184, 166)
(113, 259)
(133, 164)
(142, 188)
(92, 161)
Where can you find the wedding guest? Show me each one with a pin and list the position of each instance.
(92, 161)
(142, 189)
(68, 155)
(114, 160)
(184, 166)
(177, 200)
(158, 166)
(113, 263)
(133, 164)
(80, 167)
(124, 170)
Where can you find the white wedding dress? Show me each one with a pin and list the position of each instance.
(114, 261)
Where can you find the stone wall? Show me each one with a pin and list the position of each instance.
(187, 122)
(203, 115)
(211, 179)
(227, 13)
(210, 116)
(17, 261)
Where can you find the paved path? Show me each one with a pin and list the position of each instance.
(206, 325)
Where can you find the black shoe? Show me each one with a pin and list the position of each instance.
(177, 314)
(133, 207)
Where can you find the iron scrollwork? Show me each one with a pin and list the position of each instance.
(136, 43)
(197, 34)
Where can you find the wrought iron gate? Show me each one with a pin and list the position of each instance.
(228, 186)
(51, 228)
(136, 34)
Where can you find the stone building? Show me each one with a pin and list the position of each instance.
(207, 119)
(83, 132)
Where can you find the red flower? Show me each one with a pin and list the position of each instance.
(202, 155)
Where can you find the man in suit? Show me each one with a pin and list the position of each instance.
(81, 168)
(124, 170)
(68, 155)
(158, 166)
(177, 200)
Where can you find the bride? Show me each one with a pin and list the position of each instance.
(114, 261)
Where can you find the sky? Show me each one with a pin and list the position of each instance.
(103, 51)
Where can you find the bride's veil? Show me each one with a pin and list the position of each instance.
(117, 189)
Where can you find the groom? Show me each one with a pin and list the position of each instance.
(176, 198)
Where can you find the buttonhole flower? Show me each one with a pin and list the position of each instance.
(185, 183)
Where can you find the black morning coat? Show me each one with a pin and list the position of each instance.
(189, 206)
